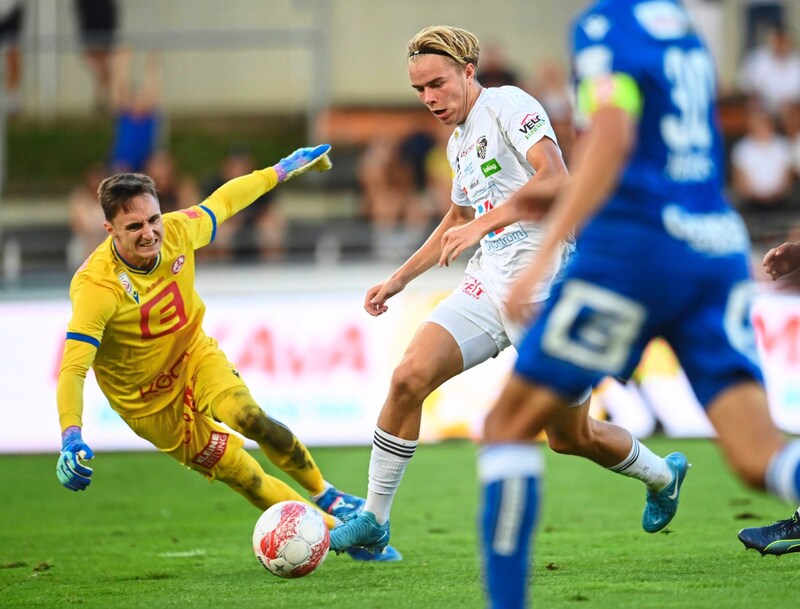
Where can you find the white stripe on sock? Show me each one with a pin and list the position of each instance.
(781, 472)
(509, 517)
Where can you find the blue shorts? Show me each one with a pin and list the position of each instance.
(629, 284)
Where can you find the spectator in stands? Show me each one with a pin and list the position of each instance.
(761, 16)
(137, 114)
(11, 16)
(391, 173)
(495, 70)
(86, 216)
(762, 166)
(175, 190)
(439, 175)
(770, 75)
(259, 231)
(97, 22)
(422, 155)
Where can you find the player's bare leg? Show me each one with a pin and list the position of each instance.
(746, 434)
(432, 357)
(572, 431)
(760, 454)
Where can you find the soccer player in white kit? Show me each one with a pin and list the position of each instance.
(502, 139)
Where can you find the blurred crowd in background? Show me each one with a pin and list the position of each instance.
(400, 180)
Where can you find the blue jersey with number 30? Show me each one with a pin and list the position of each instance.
(666, 255)
(679, 150)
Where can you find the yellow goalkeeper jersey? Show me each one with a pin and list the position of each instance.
(138, 328)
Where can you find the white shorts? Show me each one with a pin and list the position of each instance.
(476, 322)
(478, 325)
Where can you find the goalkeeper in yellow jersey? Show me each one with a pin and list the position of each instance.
(137, 320)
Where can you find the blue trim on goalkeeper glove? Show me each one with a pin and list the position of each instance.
(303, 159)
(71, 471)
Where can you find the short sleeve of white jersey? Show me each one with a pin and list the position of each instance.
(522, 117)
(505, 122)
(457, 194)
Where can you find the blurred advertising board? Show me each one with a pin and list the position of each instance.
(320, 364)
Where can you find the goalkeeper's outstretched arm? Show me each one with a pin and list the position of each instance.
(233, 196)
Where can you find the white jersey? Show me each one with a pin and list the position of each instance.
(488, 157)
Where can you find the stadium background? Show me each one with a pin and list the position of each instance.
(287, 73)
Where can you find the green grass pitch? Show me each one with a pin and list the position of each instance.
(150, 534)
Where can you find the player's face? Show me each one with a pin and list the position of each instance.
(442, 86)
(138, 233)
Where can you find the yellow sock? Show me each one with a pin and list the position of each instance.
(261, 489)
(237, 409)
(299, 464)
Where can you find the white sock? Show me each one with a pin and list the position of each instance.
(643, 464)
(389, 458)
(782, 472)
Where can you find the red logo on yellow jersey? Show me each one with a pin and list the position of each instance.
(164, 314)
(178, 264)
(213, 451)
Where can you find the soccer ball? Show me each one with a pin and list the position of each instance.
(291, 539)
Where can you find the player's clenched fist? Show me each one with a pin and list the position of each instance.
(377, 295)
(71, 471)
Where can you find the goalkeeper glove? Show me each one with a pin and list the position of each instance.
(303, 159)
(70, 469)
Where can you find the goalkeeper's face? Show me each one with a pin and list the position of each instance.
(138, 232)
(447, 89)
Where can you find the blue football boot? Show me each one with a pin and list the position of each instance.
(362, 530)
(778, 538)
(662, 505)
(339, 504)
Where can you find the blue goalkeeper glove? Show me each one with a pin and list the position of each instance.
(70, 469)
(303, 159)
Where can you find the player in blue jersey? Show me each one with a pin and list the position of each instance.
(660, 253)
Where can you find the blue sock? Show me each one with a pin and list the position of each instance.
(783, 473)
(509, 476)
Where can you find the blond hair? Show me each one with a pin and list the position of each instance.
(459, 45)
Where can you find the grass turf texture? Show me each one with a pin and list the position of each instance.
(149, 534)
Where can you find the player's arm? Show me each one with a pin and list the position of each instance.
(782, 260)
(613, 103)
(420, 261)
(91, 309)
(548, 164)
(233, 196)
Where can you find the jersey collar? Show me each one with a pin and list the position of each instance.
(132, 268)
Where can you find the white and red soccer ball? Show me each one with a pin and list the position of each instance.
(291, 539)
